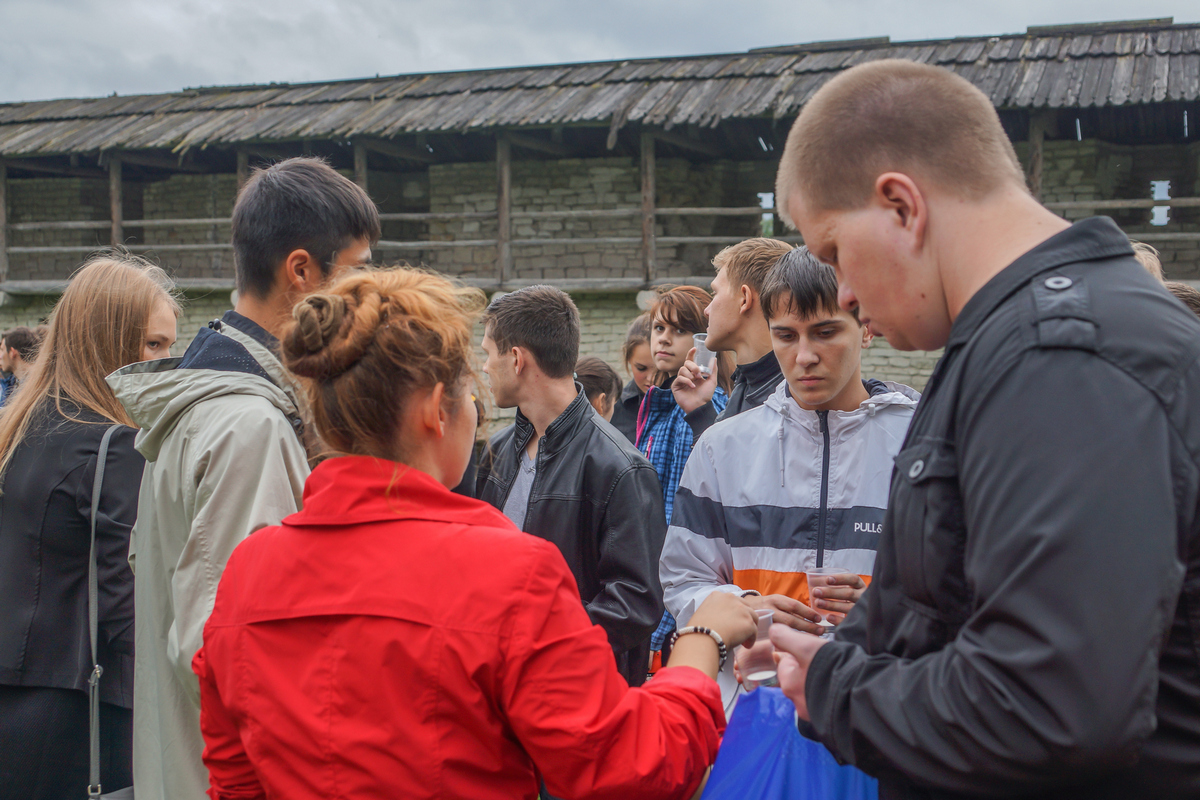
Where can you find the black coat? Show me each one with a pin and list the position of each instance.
(1032, 628)
(599, 500)
(752, 385)
(45, 530)
(625, 411)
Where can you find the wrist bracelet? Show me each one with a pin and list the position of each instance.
(722, 650)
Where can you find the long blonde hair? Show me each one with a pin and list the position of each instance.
(98, 326)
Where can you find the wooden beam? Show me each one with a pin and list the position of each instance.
(397, 150)
(115, 200)
(649, 245)
(504, 258)
(30, 165)
(360, 164)
(3, 221)
(540, 145)
(156, 161)
(670, 137)
(243, 167)
(1039, 123)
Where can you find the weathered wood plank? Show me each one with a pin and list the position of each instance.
(504, 260)
(649, 200)
(116, 200)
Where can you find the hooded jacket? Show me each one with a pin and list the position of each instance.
(752, 385)
(221, 434)
(597, 499)
(625, 411)
(777, 490)
(396, 640)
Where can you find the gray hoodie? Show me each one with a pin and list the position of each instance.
(221, 433)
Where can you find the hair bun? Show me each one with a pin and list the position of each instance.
(318, 318)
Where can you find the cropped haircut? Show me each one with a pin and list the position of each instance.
(366, 344)
(297, 204)
(637, 334)
(682, 307)
(24, 340)
(598, 378)
(800, 284)
(1186, 294)
(894, 115)
(748, 263)
(540, 319)
(1147, 256)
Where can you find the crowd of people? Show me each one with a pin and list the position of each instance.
(296, 561)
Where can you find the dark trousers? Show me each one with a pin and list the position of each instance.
(44, 744)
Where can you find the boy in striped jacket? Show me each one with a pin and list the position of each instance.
(797, 483)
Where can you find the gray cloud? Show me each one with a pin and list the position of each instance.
(80, 48)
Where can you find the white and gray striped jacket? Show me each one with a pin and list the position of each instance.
(777, 490)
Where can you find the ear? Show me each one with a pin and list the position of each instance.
(749, 299)
(430, 412)
(519, 360)
(899, 194)
(867, 337)
(302, 273)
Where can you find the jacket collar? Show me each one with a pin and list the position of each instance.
(1087, 240)
(561, 431)
(765, 370)
(631, 391)
(350, 490)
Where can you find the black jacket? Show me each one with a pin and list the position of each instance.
(625, 411)
(599, 500)
(1033, 625)
(45, 532)
(752, 385)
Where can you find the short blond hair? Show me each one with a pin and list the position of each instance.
(749, 262)
(1147, 256)
(894, 115)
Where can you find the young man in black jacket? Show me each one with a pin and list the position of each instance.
(735, 322)
(1031, 629)
(562, 473)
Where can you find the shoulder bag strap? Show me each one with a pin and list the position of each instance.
(94, 623)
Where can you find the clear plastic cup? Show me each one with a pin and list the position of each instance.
(705, 359)
(818, 577)
(757, 663)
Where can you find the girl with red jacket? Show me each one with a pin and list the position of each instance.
(394, 639)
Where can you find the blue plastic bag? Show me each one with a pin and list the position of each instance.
(764, 757)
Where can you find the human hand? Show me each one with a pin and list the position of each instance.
(788, 612)
(690, 387)
(726, 614)
(795, 652)
(839, 596)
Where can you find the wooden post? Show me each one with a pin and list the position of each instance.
(3, 221)
(360, 165)
(115, 200)
(1039, 123)
(504, 257)
(649, 244)
(243, 167)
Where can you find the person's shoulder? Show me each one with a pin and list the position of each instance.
(742, 430)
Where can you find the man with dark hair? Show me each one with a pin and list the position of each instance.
(798, 482)
(226, 446)
(18, 348)
(735, 322)
(1031, 629)
(562, 473)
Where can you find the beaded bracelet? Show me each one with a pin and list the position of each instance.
(722, 650)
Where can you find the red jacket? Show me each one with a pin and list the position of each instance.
(394, 639)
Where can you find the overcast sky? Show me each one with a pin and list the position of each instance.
(87, 48)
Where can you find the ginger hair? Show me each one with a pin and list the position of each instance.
(98, 326)
(682, 307)
(365, 345)
(894, 115)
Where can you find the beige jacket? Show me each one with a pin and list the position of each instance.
(223, 460)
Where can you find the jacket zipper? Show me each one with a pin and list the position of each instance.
(537, 470)
(823, 418)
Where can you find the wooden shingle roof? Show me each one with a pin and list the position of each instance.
(1087, 66)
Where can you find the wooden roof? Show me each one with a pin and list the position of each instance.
(1085, 66)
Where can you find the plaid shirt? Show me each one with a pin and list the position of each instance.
(665, 439)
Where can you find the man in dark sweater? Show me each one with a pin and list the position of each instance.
(735, 322)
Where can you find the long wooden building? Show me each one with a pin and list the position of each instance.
(603, 178)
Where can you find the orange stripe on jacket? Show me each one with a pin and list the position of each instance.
(768, 581)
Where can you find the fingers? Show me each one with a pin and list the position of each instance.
(797, 623)
(849, 579)
(691, 357)
(791, 680)
(788, 605)
(843, 593)
(840, 606)
(802, 646)
(687, 376)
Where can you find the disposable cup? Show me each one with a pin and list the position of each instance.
(757, 663)
(818, 577)
(705, 359)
